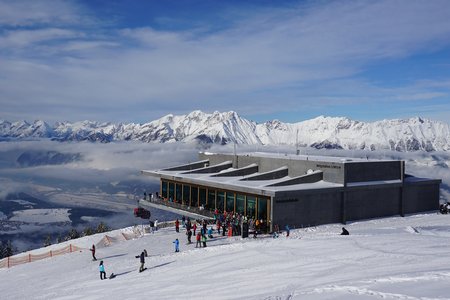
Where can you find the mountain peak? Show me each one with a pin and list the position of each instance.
(224, 127)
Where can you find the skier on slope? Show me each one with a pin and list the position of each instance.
(177, 226)
(210, 230)
(288, 230)
(101, 268)
(177, 245)
(142, 260)
(189, 235)
(93, 252)
(345, 231)
(197, 238)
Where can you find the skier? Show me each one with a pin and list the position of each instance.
(287, 230)
(204, 240)
(93, 252)
(183, 221)
(210, 232)
(218, 226)
(197, 238)
(344, 231)
(177, 226)
(101, 268)
(189, 235)
(177, 245)
(275, 232)
(156, 225)
(142, 260)
(194, 227)
(152, 226)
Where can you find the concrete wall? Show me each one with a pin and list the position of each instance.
(420, 197)
(372, 202)
(373, 171)
(303, 210)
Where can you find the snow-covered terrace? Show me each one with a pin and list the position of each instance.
(331, 159)
(214, 179)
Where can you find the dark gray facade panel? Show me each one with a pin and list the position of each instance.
(420, 198)
(307, 210)
(373, 171)
(372, 203)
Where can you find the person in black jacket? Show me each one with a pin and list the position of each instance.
(142, 259)
(344, 231)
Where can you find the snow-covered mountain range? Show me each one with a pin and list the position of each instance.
(322, 132)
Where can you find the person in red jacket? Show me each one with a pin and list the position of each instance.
(194, 227)
(93, 252)
(197, 238)
(177, 226)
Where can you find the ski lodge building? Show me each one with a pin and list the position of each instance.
(298, 190)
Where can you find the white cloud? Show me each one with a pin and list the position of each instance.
(279, 54)
(32, 12)
(24, 38)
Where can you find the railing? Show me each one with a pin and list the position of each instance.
(191, 209)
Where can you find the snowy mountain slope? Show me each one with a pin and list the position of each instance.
(221, 128)
(388, 258)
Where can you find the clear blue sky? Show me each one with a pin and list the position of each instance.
(135, 61)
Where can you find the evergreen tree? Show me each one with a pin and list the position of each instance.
(8, 250)
(48, 241)
(73, 234)
(102, 227)
(2, 250)
(88, 231)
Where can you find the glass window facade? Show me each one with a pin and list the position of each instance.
(262, 208)
(186, 194)
(230, 202)
(202, 196)
(220, 201)
(194, 196)
(163, 189)
(251, 207)
(178, 193)
(171, 190)
(211, 199)
(240, 203)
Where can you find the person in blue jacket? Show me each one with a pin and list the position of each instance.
(101, 268)
(210, 230)
(177, 245)
(287, 230)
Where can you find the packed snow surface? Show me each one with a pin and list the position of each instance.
(389, 258)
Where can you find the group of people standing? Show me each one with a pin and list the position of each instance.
(191, 230)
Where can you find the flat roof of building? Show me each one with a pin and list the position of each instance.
(248, 179)
(304, 157)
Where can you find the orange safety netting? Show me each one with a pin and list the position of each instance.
(22, 259)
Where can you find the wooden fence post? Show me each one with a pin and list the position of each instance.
(8, 262)
(29, 257)
(51, 253)
(71, 248)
